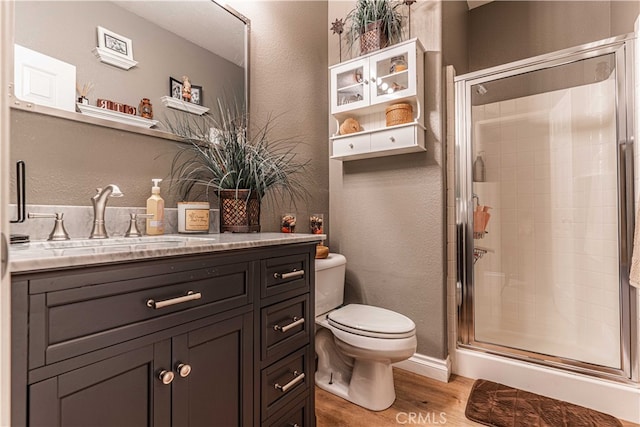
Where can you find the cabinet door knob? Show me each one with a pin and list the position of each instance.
(166, 377)
(366, 81)
(183, 369)
(351, 146)
(392, 139)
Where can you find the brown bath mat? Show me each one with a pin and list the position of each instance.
(497, 405)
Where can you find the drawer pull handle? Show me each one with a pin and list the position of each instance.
(290, 275)
(351, 146)
(183, 369)
(166, 377)
(190, 296)
(297, 377)
(296, 321)
(392, 139)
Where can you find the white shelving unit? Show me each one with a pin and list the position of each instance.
(364, 87)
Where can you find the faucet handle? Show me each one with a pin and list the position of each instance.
(133, 225)
(58, 232)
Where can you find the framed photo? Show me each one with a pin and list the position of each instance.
(115, 43)
(175, 88)
(196, 94)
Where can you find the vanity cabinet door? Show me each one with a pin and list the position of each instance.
(124, 390)
(217, 387)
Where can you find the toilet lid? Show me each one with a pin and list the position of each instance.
(371, 321)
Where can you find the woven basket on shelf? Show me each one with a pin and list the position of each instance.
(239, 211)
(398, 114)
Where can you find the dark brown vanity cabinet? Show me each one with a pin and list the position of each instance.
(165, 342)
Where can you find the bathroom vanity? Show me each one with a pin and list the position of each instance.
(203, 331)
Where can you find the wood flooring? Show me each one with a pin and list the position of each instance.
(419, 401)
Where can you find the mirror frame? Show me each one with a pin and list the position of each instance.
(18, 104)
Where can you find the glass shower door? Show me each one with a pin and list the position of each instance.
(545, 211)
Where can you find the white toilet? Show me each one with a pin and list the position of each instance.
(356, 344)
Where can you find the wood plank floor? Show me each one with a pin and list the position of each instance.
(428, 401)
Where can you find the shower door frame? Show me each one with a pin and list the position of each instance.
(623, 49)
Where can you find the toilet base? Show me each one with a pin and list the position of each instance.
(366, 383)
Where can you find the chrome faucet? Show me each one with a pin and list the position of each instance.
(99, 201)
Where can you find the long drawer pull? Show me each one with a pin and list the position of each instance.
(290, 275)
(296, 321)
(190, 296)
(297, 377)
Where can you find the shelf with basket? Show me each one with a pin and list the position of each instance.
(377, 102)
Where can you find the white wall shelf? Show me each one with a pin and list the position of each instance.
(179, 104)
(113, 59)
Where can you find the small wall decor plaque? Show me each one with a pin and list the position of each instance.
(114, 49)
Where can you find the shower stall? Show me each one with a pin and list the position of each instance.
(544, 210)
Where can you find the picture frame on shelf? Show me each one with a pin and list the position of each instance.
(175, 88)
(115, 43)
(196, 95)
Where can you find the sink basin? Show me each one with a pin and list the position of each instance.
(116, 244)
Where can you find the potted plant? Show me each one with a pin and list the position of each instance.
(376, 23)
(220, 158)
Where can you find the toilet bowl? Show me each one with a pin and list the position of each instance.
(356, 344)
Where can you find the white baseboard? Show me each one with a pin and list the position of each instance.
(426, 366)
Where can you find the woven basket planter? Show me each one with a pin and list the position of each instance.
(372, 38)
(239, 211)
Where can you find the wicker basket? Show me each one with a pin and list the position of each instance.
(398, 114)
(239, 211)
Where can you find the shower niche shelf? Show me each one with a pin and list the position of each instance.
(362, 89)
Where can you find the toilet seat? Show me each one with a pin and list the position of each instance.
(370, 321)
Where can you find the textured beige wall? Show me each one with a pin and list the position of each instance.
(388, 212)
(66, 160)
(288, 76)
(505, 31)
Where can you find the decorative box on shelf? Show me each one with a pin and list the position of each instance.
(179, 104)
(369, 89)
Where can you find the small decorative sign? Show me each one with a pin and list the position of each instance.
(117, 44)
(114, 49)
(116, 106)
(193, 217)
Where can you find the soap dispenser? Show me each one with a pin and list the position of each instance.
(155, 207)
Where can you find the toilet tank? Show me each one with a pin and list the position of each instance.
(330, 282)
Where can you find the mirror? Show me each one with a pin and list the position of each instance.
(165, 39)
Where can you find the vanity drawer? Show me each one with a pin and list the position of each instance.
(299, 413)
(284, 381)
(352, 145)
(394, 138)
(286, 326)
(284, 274)
(69, 322)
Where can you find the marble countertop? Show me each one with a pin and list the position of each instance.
(44, 255)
